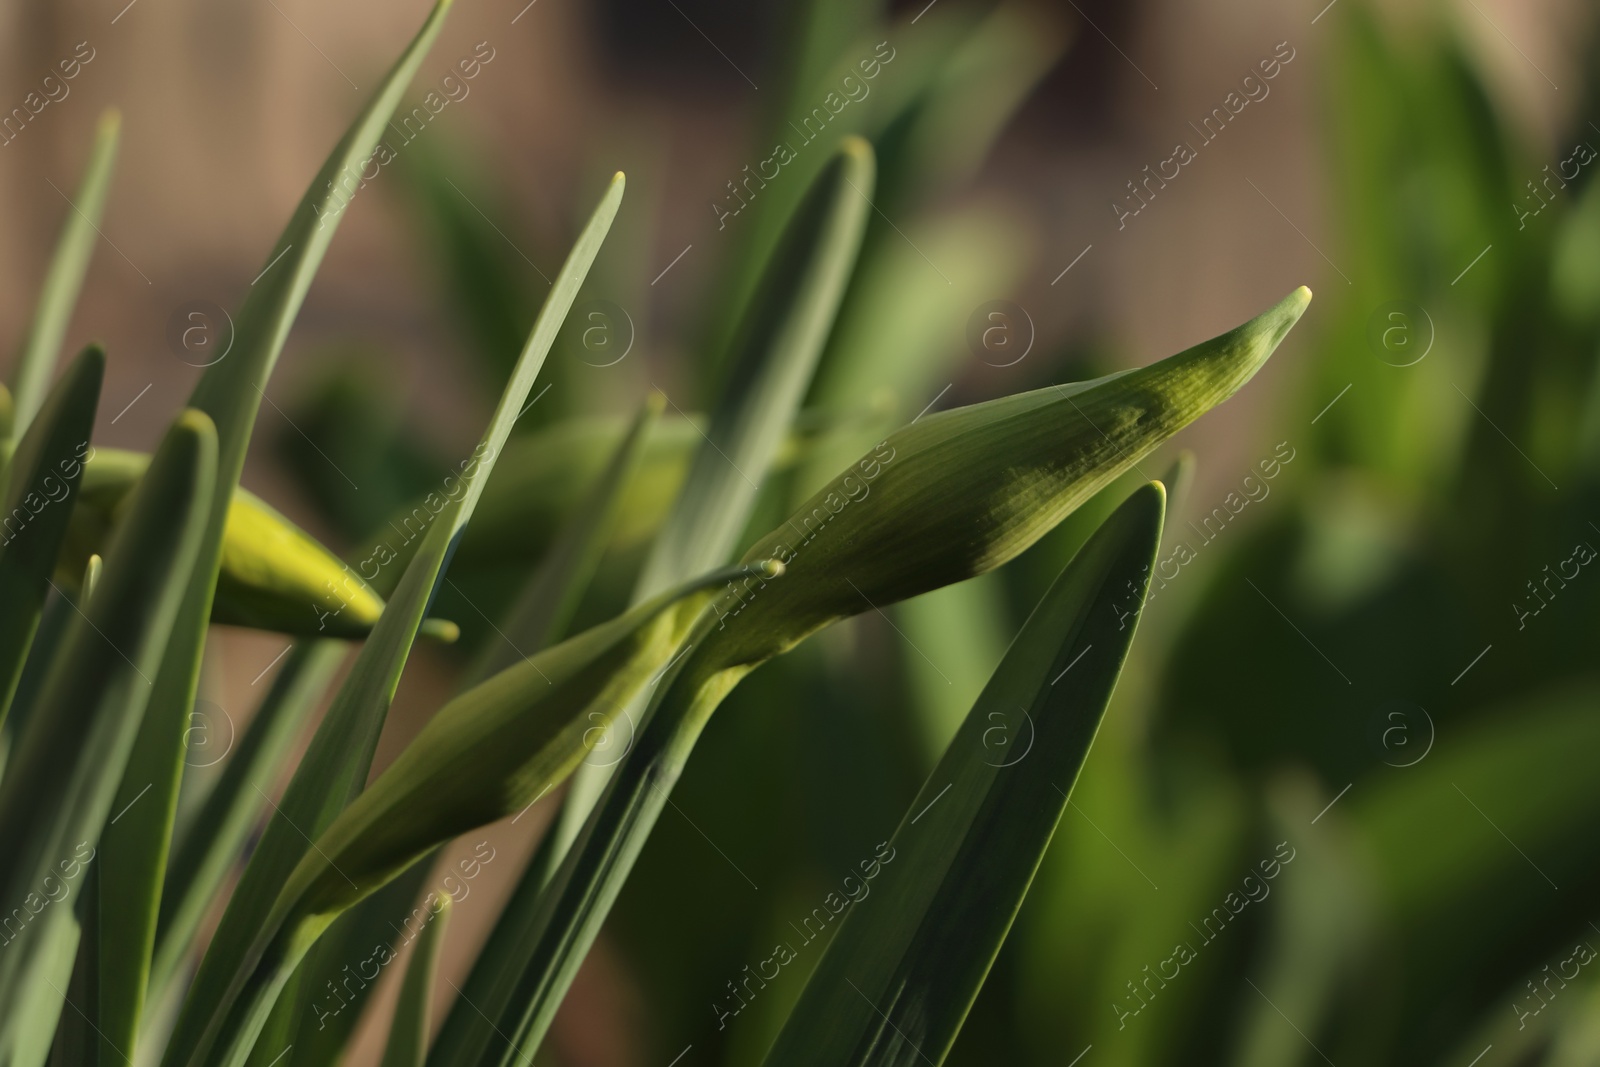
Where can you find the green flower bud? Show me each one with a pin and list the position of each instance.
(958, 493)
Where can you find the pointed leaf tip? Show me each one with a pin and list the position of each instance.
(857, 147)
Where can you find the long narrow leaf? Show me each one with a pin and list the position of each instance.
(466, 1033)
(408, 1034)
(325, 1011)
(774, 355)
(40, 482)
(212, 1027)
(542, 609)
(551, 596)
(232, 809)
(904, 967)
(58, 791)
(59, 295)
(230, 392)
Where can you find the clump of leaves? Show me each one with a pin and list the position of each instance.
(136, 556)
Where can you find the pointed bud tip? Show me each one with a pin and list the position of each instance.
(1291, 307)
(1255, 341)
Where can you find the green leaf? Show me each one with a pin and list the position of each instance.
(774, 355)
(43, 1005)
(207, 851)
(58, 790)
(544, 478)
(75, 1040)
(550, 598)
(40, 481)
(772, 358)
(468, 1031)
(952, 496)
(775, 352)
(230, 392)
(37, 363)
(901, 972)
(319, 1011)
(337, 763)
(408, 1034)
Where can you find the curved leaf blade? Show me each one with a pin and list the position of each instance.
(230, 392)
(775, 353)
(37, 363)
(408, 1034)
(214, 1025)
(550, 598)
(773, 357)
(215, 840)
(904, 967)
